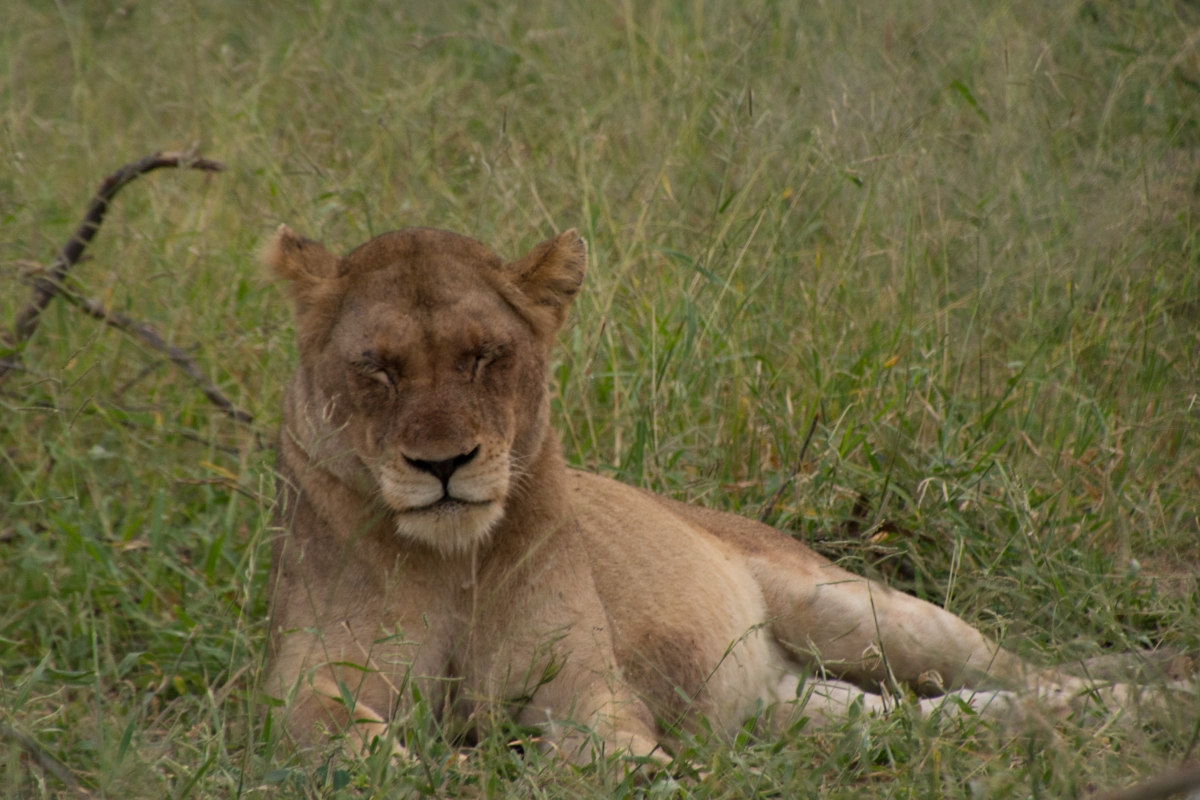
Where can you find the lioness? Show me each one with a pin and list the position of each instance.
(433, 536)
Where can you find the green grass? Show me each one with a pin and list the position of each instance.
(964, 233)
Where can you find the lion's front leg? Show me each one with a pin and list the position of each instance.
(543, 653)
(322, 708)
(593, 721)
(566, 683)
(333, 691)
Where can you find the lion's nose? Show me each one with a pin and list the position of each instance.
(442, 470)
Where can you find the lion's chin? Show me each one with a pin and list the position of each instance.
(450, 526)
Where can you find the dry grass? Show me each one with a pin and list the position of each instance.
(964, 233)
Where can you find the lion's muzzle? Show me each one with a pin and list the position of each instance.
(450, 503)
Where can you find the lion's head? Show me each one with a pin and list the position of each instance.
(422, 375)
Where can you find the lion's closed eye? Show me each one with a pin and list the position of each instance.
(370, 366)
(488, 355)
(472, 363)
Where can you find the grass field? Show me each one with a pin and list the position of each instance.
(965, 234)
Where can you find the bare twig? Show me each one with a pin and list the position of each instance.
(769, 508)
(142, 373)
(46, 761)
(48, 285)
(1170, 783)
(148, 336)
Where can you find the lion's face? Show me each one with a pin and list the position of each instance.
(430, 381)
(424, 357)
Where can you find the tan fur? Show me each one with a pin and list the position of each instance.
(608, 615)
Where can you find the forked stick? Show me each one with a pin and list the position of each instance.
(148, 336)
(48, 285)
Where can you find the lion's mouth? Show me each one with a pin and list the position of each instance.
(449, 505)
(449, 524)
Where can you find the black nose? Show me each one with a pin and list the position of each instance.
(442, 470)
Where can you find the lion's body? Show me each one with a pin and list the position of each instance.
(434, 537)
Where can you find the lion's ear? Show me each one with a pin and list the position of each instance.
(552, 274)
(313, 273)
(300, 260)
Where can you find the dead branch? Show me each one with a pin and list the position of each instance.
(48, 285)
(148, 336)
(1170, 783)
